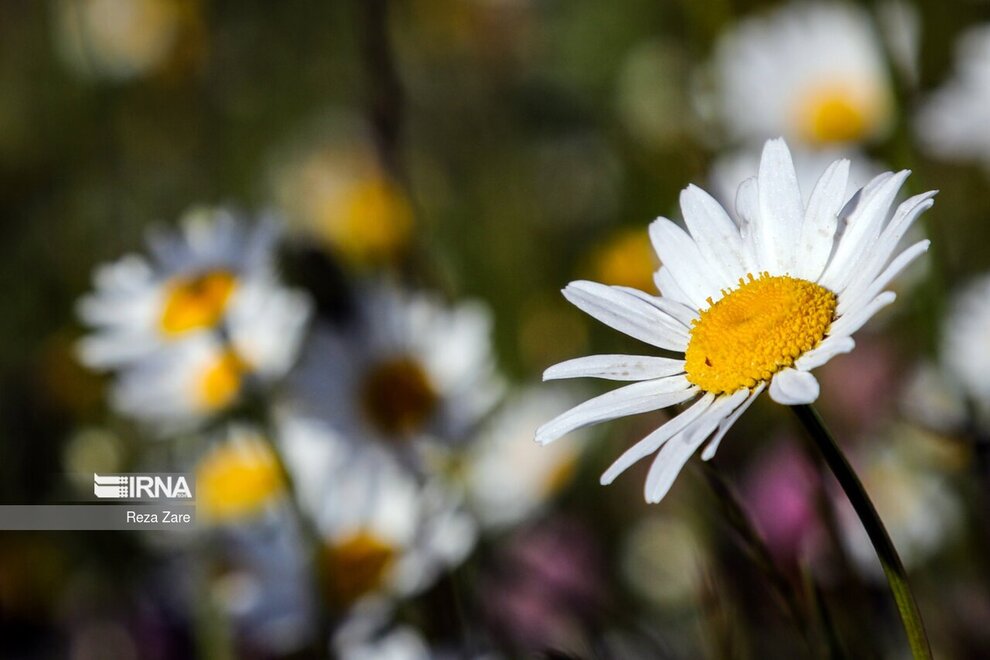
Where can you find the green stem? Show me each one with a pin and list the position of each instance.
(889, 560)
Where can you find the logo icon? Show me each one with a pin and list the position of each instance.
(141, 487)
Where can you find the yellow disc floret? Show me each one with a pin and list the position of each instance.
(756, 330)
(834, 113)
(197, 302)
(237, 479)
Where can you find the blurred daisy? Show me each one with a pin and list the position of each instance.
(965, 351)
(409, 372)
(340, 196)
(193, 282)
(504, 453)
(625, 258)
(206, 374)
(118, 39)
(752, 307)
(386, 535)
(814, 73)
(238, 478)
(399, 642)
(918, 506)
(952, 124)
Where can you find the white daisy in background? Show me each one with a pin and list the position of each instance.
(814, 73)
(398, 642)
(965, 352)
(504, 453)
(118, 39)
(752, 307)
(407, 373)
(385, 535)
(189, 328)
(238, 478)
(334, 191)
(192, 281)
(914, 497)
(207, 373)
(952, 123)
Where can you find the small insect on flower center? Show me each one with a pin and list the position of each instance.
(193, 303)
(397, 396)
(832, 114)
(756, 330)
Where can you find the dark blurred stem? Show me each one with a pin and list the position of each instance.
(893, 569)
(752, 544)
(385, 96)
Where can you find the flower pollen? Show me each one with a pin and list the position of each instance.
(756, 330)
(194, 303)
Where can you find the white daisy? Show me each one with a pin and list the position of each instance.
(752, 307)
(407, 372)
(504, 453)
(952, 123)
(386, 535)
(965, 352)
(205, 374)
(189, 286)
(814, 73)
(117, 39)
(915, 499)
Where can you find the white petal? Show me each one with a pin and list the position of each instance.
(677, 311)
(862, 230)
(717, 237)
(727, 423)
(628, 400)
(791, 387)
(679, 253)
(628, 314)
(655, 440)
(748, 201)
(856, 318)
(781, 211)
(851, 299)
(825, 351)
(616, 367)
(820, 219)
(879, 253)
(670, 289)
(667, 465)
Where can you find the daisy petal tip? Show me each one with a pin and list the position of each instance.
(792, 387)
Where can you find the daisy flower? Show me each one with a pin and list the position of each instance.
(118, 40)
(206, 374)
(193, 280)
(952, 123)
(386, 535)
(753, 306)
(409, 372)
(238, 478)
(814, 73)
(504, 453)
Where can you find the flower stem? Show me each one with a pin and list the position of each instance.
(907, 608)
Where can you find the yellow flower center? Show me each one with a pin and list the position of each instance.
(627, 259)
(356, 566)
(398, 397)
(236, 480)
(374, 224)
(756, 330)
(220, 383)
(193, 303)
(833, 113)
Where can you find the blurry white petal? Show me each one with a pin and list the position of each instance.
(616, 367)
